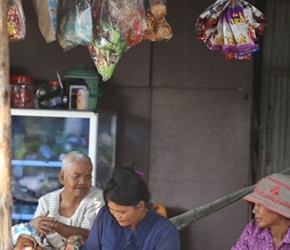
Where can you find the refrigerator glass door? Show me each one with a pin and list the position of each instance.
(40, 139)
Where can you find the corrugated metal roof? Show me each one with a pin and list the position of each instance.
(274, 147)
(276, 51)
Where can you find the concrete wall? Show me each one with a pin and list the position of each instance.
(184, 113)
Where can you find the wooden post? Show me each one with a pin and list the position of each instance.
(5, 135)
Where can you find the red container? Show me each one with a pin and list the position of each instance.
(52, 84)
(22, 91)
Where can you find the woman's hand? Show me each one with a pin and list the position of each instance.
(44, 224)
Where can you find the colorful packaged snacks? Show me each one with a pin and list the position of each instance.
(232, 27)
(117, 26)
(15, 20)
(129, 16)
(106, 49)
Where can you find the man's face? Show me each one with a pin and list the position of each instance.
(24, 243)
(77, 180)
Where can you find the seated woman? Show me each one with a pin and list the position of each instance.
(270, 229)
(70, 210)
(25, 237)
(128, 221)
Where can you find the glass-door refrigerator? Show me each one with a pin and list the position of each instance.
(40, 139)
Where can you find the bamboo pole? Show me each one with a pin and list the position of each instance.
(5, 135)
(183, 220)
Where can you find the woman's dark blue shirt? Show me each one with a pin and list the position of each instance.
(154, 232)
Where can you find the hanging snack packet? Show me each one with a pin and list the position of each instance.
(255, 24)
(47, 18)
(107, 45)
(74, 23)
(232, 27)
(136, 25)
(157, 27)
(158, 8)
(214, 38)
(15, 20)
(237, 22)
(130, 17)
(229, 38)
(255, 20)
(208, 20)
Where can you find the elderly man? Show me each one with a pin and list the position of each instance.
(70, 210)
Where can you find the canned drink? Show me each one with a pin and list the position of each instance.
(83, 96)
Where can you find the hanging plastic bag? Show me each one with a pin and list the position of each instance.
(129, 16)
(108, 43)
(15, 20)
(157, 27)
(74, 23)
(136, 23)
(46, 11)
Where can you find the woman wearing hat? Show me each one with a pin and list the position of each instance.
(270, 229)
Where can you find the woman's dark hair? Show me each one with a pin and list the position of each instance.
(126, 187)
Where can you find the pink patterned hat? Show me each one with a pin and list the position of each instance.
(272, 192)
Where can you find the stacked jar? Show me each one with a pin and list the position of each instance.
(22, 91)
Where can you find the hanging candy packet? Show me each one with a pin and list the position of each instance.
(255, 19)
(46, 11)
(246, 22)
(15, 20)
(108, 43)
(208, 20)
(214, 37)
(157, 27)
(74, 23)
(240, 31)
(232, 27)
(229, 38)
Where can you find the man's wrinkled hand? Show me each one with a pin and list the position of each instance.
(44, 224)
